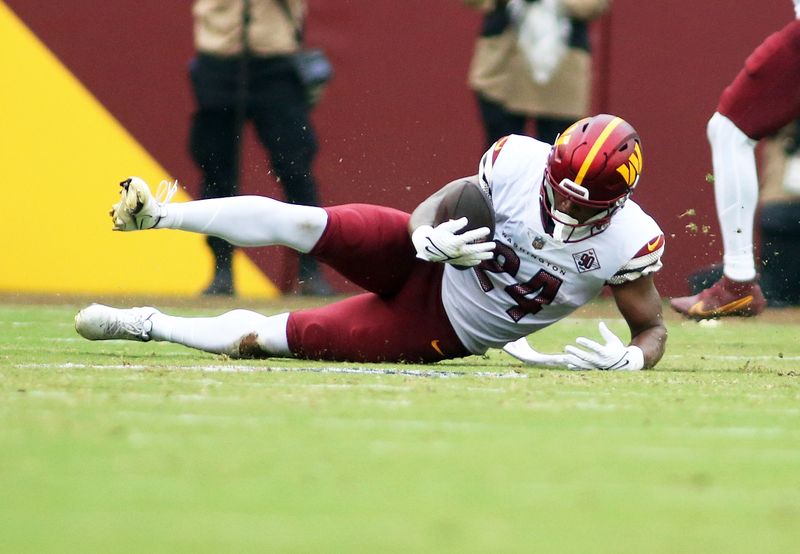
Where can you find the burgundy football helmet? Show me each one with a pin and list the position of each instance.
(596, 163)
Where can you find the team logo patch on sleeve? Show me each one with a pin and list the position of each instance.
(586, 261)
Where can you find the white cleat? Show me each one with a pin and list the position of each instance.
(99, 322)
(138, 209)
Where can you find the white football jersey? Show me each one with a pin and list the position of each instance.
(533, 280)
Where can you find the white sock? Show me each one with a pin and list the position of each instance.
(735, 194)
(224, 334)
(249, 221)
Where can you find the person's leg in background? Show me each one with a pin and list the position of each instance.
(780, 268)
(737, 293)
(735, 195)
(761, 100)
(497, 121)
(213, 146)
(281, 118)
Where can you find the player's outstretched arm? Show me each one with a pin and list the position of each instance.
(640, 305)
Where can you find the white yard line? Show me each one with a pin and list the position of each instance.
(735, 357)
(260, 369)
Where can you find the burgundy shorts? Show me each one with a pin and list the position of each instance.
(765, 95)
(400, 319)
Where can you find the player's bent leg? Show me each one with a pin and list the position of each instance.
(367, 328)
(735, 194)
(238, 333)
(410, 326)
(369, 245)
(737, 293)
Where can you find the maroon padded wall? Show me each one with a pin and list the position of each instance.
(398, 120)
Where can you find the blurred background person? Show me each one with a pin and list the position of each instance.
(762, 99)
(779, 218)
(243, 71)
(508, 92)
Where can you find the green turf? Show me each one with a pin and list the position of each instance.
(127, 447)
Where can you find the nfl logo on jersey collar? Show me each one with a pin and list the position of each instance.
(536, 238)
(540, 240)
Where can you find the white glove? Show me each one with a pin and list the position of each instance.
(613, 355)
(441, 244)
(521, 350)
(797, 8)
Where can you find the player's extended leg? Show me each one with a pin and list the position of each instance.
(250, 221)
(762, 98)
(736, 197)
(238, 333)
(213, 143)
(369, 245)
(241, 220)
(735, 194)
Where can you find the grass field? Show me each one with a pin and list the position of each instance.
(128, 447)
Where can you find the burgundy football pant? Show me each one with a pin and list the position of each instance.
(400, 319)
(765, 95)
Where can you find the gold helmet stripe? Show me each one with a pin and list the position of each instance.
(598, 144)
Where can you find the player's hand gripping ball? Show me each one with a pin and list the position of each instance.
(468, 201)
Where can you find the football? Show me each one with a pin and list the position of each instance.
(467, 199)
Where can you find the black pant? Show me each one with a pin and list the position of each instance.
(266, 92)
(499, 122)
(780, 234)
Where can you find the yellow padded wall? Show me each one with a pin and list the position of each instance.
(62, 156)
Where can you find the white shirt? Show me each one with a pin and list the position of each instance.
(533, 280)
